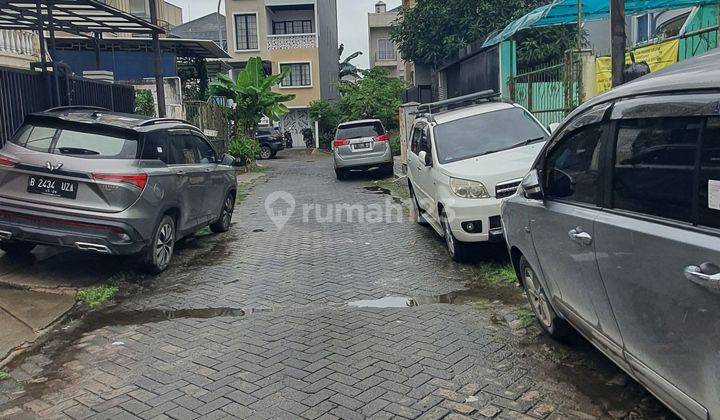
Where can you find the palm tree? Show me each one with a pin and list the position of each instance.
(253, 96)
(346, 68)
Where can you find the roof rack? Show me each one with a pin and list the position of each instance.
(77, 108)
(160, 121)
(460, 101)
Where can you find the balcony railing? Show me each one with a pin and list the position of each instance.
(17, 42)
(386, 56)
(289, 42)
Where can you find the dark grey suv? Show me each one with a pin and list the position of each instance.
(616, 231)
(111, 183)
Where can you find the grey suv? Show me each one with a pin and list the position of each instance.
(111, 183)
(616, 231)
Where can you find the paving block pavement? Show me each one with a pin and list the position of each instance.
(297, 350)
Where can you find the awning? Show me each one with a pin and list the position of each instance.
(74, 16)
(185, 48)
(565, 12)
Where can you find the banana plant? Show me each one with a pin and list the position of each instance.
(253, 96)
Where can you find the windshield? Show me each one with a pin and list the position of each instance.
(355, 131)
(76, 142)
(486, 133)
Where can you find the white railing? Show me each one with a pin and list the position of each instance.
(17, 42)
(289, 42)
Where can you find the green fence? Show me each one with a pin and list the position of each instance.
(551, 92)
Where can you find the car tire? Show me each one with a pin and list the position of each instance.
(555, 326)
(265, 152)
(158, 255)
(388, 170)
(418, 213)
(459, 251)
(17, 249)
(340, 174)
(223, 223)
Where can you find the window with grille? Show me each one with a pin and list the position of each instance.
(386, 49)
(292, 27)
(299, 75)
(246, 32)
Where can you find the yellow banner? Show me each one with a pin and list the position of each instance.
(657, 56)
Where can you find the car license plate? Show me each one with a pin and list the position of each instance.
(52, 186)
(359, 146)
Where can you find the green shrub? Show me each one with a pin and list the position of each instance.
(144, 103)
(395, 144)
(244, 149)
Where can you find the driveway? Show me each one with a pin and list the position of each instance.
(305, 315)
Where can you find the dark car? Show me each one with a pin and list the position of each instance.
(110, 183)
(271, 142)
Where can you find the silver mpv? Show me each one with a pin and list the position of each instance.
(616, 231)
(362, 145)
(111, 183)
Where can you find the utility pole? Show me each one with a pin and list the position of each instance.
(159, 82)
(579, 25)
(617, 34)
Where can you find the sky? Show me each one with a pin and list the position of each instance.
(352, 21)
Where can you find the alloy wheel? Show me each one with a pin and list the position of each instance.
(537, 296)
(265, 152)
(227, 211)
(449, 238)
(164, 245)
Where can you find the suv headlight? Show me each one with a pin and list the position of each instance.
(468, 189)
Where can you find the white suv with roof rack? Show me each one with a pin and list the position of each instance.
(466, 155)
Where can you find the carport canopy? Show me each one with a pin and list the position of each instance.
(86, 18)
(75, 16)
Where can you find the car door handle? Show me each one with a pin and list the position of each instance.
(696, 275)
(179, 173)
(581, 237)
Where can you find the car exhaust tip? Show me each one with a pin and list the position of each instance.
(5, 235)
(88, 247)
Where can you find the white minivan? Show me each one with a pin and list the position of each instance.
(466, 155)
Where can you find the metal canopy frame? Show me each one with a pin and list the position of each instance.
(74, 16)
(85, 18)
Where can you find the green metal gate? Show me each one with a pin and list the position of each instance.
(552, 92)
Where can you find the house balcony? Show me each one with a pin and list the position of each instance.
(290, 42)
(20, 44)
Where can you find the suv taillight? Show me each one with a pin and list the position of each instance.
(6, 161)
(340, 142)
(138, 180)
(382, 137)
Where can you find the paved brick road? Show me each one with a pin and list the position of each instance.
(260, 328)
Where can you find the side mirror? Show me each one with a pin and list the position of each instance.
(425, 158)
(552, 127)
(227, 160)
(531, 186)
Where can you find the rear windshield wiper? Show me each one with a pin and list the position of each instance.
(77, 151)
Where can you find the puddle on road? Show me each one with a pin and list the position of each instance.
(506, 295)
(49, 361)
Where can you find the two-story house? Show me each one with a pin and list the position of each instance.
(383, 52)
(299, 35)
